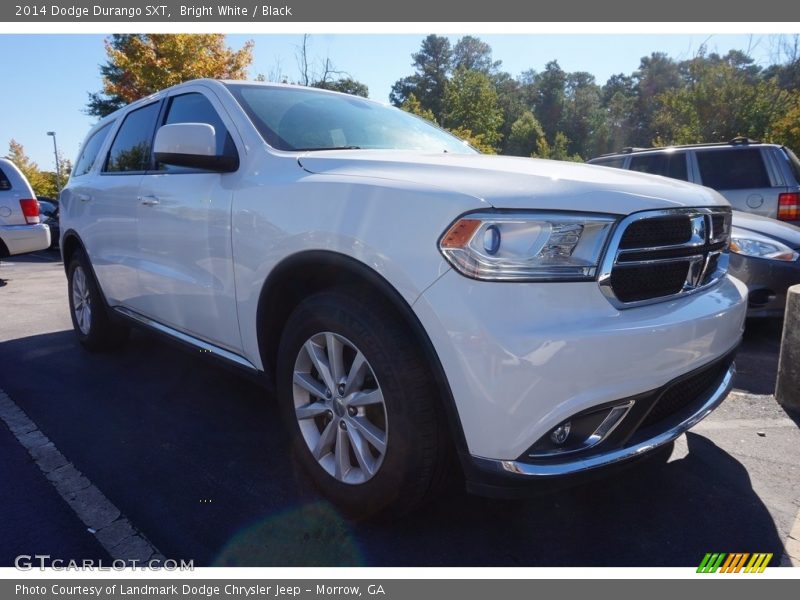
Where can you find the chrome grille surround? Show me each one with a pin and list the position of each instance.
(706, 251)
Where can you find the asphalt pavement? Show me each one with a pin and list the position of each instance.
(193, 455)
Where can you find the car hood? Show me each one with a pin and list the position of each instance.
(783, 232)
(518, 183)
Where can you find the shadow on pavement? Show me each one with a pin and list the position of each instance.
(195, 456)
(757, 358)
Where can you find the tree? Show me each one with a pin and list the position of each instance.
(470, 103)
(348, 85)
(42, 182)
(433, 64)
(657, 74)
(473, 54)
(413, 106)
(141, 64)
(526, 136)
(581, 112)
(476, 140)
(721, 98)
(558, 151)
(549, 97)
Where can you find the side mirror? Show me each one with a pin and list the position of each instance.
(192, 145)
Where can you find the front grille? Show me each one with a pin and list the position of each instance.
(633, 284)
(661, 231)
(657, 255)
(694, 388)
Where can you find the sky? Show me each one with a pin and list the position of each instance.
(47, 77)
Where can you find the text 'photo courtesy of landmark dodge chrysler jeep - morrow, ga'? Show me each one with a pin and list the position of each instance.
(411, 299)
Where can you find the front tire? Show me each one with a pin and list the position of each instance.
(94, 326)
(361, 406)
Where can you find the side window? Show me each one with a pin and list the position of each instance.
(667, 164)
(5, 184)
(733, 169)
(613, 161)
(196, 108)
(131, 148)
(90, 150)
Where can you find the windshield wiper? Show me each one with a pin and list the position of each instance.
(328, 148)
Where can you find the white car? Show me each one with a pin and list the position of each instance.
(411, 299)
(20, 228)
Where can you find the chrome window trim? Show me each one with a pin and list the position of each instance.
(691, 286)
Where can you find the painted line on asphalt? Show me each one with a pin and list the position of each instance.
(111, 528)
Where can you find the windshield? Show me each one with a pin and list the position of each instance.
(306, 119)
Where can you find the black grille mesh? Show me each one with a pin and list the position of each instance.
(660, 231)
(678, 396)
(635, 283)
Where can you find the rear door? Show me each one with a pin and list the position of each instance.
(742, 175)
(184, 234)
(106, 202)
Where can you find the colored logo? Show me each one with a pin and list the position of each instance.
(737, 562)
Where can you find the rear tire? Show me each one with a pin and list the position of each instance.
(93, 324)
(361, 406)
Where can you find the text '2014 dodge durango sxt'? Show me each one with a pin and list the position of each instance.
(411, 299)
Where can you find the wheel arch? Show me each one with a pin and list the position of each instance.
(308, 272)
(71, 242)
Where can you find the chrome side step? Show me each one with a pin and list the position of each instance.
(186, 338)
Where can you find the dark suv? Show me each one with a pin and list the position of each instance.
(763, 179)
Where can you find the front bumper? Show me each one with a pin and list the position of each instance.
(639, 444)
(521, 359)
(767, 281)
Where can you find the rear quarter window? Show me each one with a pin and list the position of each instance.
(5, 184)
(666, 164)
(90, 150)
(794, 163)
(733, 169)
(615, 162)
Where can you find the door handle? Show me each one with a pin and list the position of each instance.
(84, 197)
(148, 200)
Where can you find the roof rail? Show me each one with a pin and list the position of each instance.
(629, 149)
(740, 139)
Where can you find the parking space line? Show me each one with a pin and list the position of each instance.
(111, 528)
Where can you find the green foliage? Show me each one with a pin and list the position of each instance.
(721, 99)
(433, 64)
(526, 136)
(141, 64)
(347, 85)
(470, 103)
(558, 151)
(42, 182)
(556, 114)
(412, 105)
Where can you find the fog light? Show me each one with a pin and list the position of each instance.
(560, 434)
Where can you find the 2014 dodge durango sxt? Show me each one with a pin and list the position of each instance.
(410, 299)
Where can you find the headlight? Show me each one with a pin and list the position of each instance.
(749, 243)
(527, 246)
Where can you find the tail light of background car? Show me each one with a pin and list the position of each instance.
(30, 208)
(789, 207)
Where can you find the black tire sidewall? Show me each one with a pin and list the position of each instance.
(402, 472)
(78, 260)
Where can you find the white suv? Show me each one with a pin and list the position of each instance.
(411, 299)
(20, 227)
